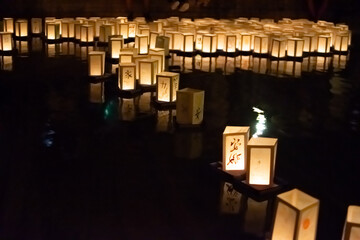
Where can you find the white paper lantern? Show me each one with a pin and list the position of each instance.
(295, 47)
(6, 43)
(96, 63)
(352, 224)
(190, 106)
(8, 25)
(87, 34)
(115, 46)
(126, 77)
(167, 83)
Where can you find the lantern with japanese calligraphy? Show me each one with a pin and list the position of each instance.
(36, 25)
(6, 43)
(167, 83)
(21, 28)
(8, 25)
(295, 47)
(261, 156)
(352, 224)
(87, 33)
(124, 30)
(209, 43)
(324, 43)
(278, 47)
(230, 43)
(96, 61)
(115, 46)
(296, 216)
(190, 106)
(235, 140)
(148, 68)
(52, 30)
(141, 43)
(126, 78)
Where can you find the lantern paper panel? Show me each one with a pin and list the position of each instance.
(310, 42)
(221, 40)
(8, 25)
(230, 43)
(116, 44)
(278, 48)
(230, 202)
(261, 155)
(137, 59)
(209, 43)
(96, 63)
(132, 29)
(148, 69)
(52, 30)
(324, 42)
(127, 73)
(245, 42)
(21, 28)
(296, 216)
(158, 54)
(124, 30)
(6, 43)
(126, 57)
(77, 29)
(36, 25)
(67, 29)
(106, 31)
(87, 33)
(152, 40)
(261, 43)
(190, 106)
(178, 41)
(235, 140)
(167, 83)
(341, 42)
(141, 43)
(188, 42)
(295, 47)
(163, 42)
(352, 224)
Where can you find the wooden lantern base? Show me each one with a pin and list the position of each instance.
(186, 54)
(245, 53)
(296, 59)
(228, 54)
(203, 54)
(26, 38)
(53, 40)
(261, 55)
(9, 53)
(102, 44)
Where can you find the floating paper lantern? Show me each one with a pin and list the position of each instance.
(124, 30)
(36, 25)
(77, 29)
(178, 41)
(144, 30)
(126, 57)
(115, 46)
(188, 42)
(21, 28)
(199, 40)
(230, 43)
(341, 42)
(235, 140)
(158, 54)
(163, 42)
(261, 156)
(352, 224)
(136, 60)
(190, 106)
(68, 29)
(296, 216)
(148, 68)
(8, 25)
(167, 83)
(221, 40)
(126, 77)
(295, 47)
(209, 43)
(141, 43)
(278, 47)
(96, 63)
(106, 31)
(152, 41)
(52, 30)
(87, 33)
(6, 43)
(310, 42)
(245, 42)
(170, 35)
(324, 42)
(261, 43)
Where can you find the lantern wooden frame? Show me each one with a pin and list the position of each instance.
(352, 223)
(278, 48)
(8, 24)
(167, 83)
(295, 47)
(96, 58)
(190, 106)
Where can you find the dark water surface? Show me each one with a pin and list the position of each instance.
(76, 165)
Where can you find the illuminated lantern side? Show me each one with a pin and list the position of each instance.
(352, 224)
(132, 29)
(296, 216)
(96, 60)
(144, 31)
(295, 47)
(68, 29)
(106, 31)
(77, 27)
(324, 42)
(87, 33)
(199, 40)
(170, 35)
(158, 54)
(235, 140)
(261, 43)
(278, 47)
(126, 57)
(36, 25)
(190, 106)
(21, 28)
(261, 156)
(188, 42)
(124, 30)
(52, 30)
(310, 42)
(6, 43)
(209, 43)
(167, 83)
(178, 41)
(115, 45)
(341, 42)
(152, 41)
(141, 43)
(148, 69)
(126, 78)
(8, 25)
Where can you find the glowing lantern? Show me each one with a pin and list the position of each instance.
(126, 80)
(132, 29)
(8, 25)
(261, 156)
(341, 42)
(235, 140)
(21, 28)
(261, 43)
(96, 63)
(167, 83)
(199, 40)
(309, 42)
(144, 31)
(122, 19)
(178, 41)
(230, 43)
(125, 57)
(77, 29)
(124, 30)
(106, 30)
(352, 224)
(190, 106)
(141, 43)
(278, 47)
(98, 23)
(67, 29)
(87, 33)
(158, 54)
(188, 42)
(163, 42)
(148, 68)
(52, 30)
(245, 42)
(295, 47)
(36, 25)
(170, 35)
(6, 43)
(324, 42)
(209, 43)
(296, 216)
(153, 36)
(115, 46)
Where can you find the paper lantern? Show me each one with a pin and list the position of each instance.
(8, 25)
(132, 29)
(209, 43)
(36, 25)
(136, 60)
(230, 202)
(106, 30)
(178, 41)
(296, 216)
(68, 29)
(77, 29)
(124, 30)
(261, 156)
(261, 43)
(167, 83)
(158, 54)
(295, 47)
(122, 19)
(324, 42)
(152, 41)
(352, 224)
(141, 43)
(87, 33)
(235, 140)
(245, 42)
(115, 46)
(96, 93)
(278, 47)
(126, 77)
(148, 68)
(310, 42)
(52, 30)
(126, 57)
(230, 43)
(221, 40)
(170, 35)
(341, 42)
(188, 42)
(163, 42)
(96, 63)
(144, 30)
(6, 43)
(190, 106)
(21, 28)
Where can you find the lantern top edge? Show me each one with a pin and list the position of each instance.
(167, 74)
(236, 129)
(127, 64)
(353, 214)
(298, 199)
(262, 141)
(190, 90)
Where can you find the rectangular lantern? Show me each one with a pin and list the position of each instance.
(21, 28)
(96, 61)
(6, 43)
(341, 42)
(261, 156)
(36, 25)
(87, 33)
(352, 224)
(158, 54)
(67, 29)
(152, 41)
(106, 30)
(126, 57)
(8, 25)
(310, 42)
(261, 43)
(52, 30)
(295, 47)
(221, 40)
(115, 46)
(230, 43)
(124, 30)
(209, 43)
(245, 42)
(77, 29)
(126, 77)
(296, 216)
(278, 47)
(323, 45)
(132, 29)
(190, 106)
(141, 43)
(199, 40)
(167, 83)
(178, 41)
(148, 68)
(188, 42)
(163, 42)
(235, 140)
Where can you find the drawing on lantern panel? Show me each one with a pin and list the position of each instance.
(197, 113)
(234, 156)
(128, 74)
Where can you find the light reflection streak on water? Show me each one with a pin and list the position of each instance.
(261, 122)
